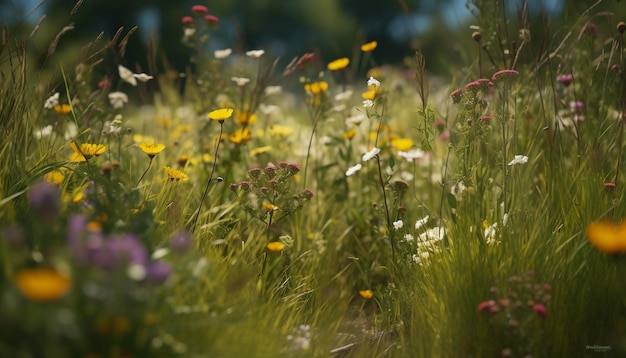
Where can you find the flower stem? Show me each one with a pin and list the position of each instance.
(208, 183)
(144, 173)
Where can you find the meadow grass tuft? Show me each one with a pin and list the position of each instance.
(328, 208)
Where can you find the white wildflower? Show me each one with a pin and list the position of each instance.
(268, 109)
(373, 82)
(368, 103)
(127, 75)
(353, 170)
(71, 131)
(419, 223)
(408, 237)
(160, 253)
(398, 224)
(270, 90)
(412, 154)
(52, 101)
(240, 81)
(43, 132)
(519, 159)
(342, 96)
(505, 219)
(255, 53)
(142, 77)
(491, 233)
(371, 154)
(189, 31)
(118, 99)
(434, 234)
(136, 272)
(222, 54)
(339, 108)
(356, 119)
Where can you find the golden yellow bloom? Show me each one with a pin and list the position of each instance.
(367, 294)
(269, 207)
(221, 114)
(54, 177)
(175, 174)
(607, 236)
(369, 47)
(140, 138)
(240, 136)
(42, 284)
(349, 134)
(371, 94)
(275, 246)
(402, 144)
(86, 150)
(280, 130)
(339, 64)
(316, 87)
(63, 108)
(151, 148)
(245, 119)
(260, 150)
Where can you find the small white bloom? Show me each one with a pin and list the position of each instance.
(490, 234)
(343, 95)
(373, 82)
(221, 54)
(519, 159)
(505, 219)
(136, 272)
(419, 223)
(371, 154)
(52, 101)
(142, 77)
(412, 154)
(270, 90)
(160, 253)
(268, 109)
(408, 237)
(71, 131)
(434, 234)
(353, 170)
(398, 224)
(127, 75)
(368, 103)
(189, 31)
(255, 53)
(356, 119)
(118, 99)
(240, 81)
(339, 108)
(43, 132)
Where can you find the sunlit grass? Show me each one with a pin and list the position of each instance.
(267, 211)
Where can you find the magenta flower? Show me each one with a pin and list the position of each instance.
(541, 310)
(566, 79)
(211, 20)
(187, 21)
(456, 95)
(504, 75)
(199, 9)
(486, 305)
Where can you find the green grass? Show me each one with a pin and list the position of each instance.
(512, 232)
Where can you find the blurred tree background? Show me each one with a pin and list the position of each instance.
(331, 28)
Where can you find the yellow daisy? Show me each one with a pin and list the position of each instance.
(175, 174)
(221, 114)
(339, 64)
(369, 47)
(151, 149)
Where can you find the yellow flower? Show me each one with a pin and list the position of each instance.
(151, 148)
(260, 150)
(221, 114)
(269, 207)
(339, 64)
(607, 236)
(54, 177)
(241, 136)
(402, 144)
(62, 108)
(275, 246)
(280, 131)
(316, 87)
(367, 294)
(369, 47)
(183, 159)
(42, 284)
(139, 138)
(371, 94)
(86, 150)
(245, 119)
(349, 134)
(175, 174)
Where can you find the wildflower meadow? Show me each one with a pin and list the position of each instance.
(319, 206)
